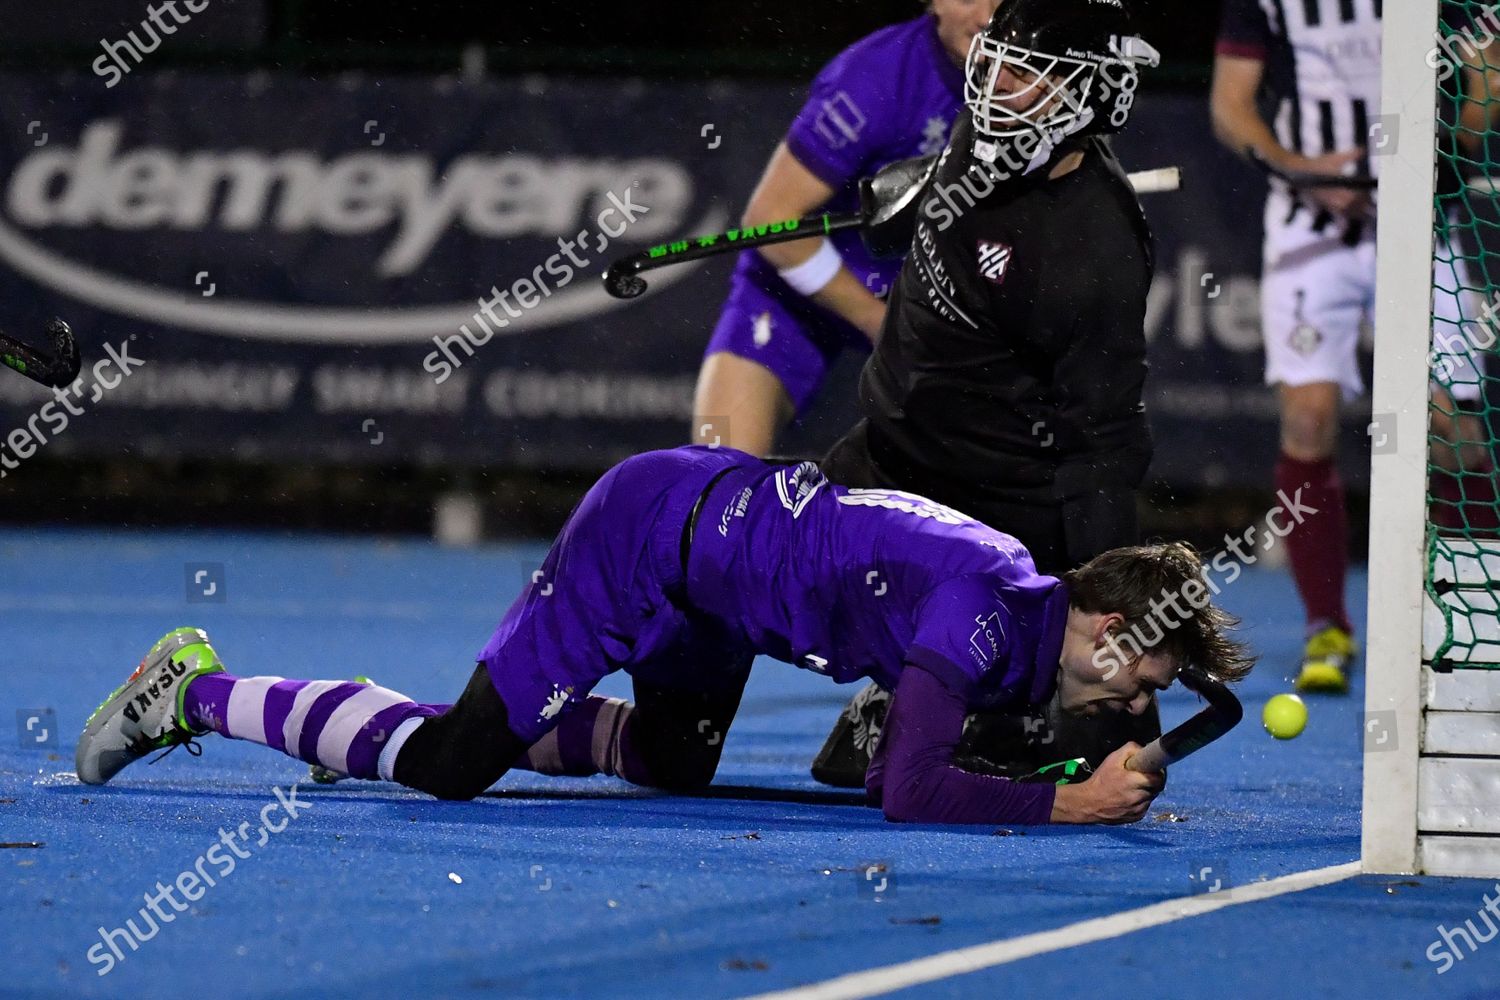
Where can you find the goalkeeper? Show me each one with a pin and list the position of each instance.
(1008, 379)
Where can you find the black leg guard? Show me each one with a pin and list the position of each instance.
(459, 754)
(678, 736)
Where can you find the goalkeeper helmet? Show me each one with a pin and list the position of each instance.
(1045, 70)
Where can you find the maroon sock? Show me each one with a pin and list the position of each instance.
(1318, 546)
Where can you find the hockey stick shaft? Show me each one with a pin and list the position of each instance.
(623, 278)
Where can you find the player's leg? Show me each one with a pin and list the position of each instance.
(597, 604)
(1313, 301)
(671, 737)
(739, 404)
(764, 364)
(181, 691)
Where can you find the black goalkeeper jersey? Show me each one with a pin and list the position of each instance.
(1013, 356)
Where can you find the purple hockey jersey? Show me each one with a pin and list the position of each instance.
(859, 583)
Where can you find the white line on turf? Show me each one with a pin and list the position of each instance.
(945, 965)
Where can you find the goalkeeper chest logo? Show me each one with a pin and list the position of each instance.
(994, 261)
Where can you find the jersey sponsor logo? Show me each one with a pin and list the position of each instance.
(841, 121)
(735, 508)
(908, 503)
(994, 261)
(797, 486)
(984, 644)
(933, 274)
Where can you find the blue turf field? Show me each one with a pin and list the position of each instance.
(592, 888)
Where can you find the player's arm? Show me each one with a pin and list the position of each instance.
(1239, 70)
(916, 781)
(1101, 440)
(914, 776)
(789, 190)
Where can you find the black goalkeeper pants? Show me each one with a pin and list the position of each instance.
(1059, 535)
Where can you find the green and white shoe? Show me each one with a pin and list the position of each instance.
(145, 713)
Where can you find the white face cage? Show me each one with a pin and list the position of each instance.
(1050, 94)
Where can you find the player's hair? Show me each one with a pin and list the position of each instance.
(1140, 583)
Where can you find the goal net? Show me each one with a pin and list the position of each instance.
(1431, 729)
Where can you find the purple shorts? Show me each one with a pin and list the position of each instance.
(609, 596)
(794, 338)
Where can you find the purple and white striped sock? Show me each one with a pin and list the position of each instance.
(341, 725)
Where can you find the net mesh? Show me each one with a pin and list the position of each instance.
(1463, 512)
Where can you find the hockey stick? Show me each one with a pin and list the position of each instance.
(1222, 714)
(1300, 179)
(623, 278)
(57, 369)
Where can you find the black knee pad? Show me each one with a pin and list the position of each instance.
(458, 754)
(677, 759)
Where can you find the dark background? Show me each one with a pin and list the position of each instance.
(758, 38)
(782, 41)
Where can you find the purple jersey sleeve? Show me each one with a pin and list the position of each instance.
(1244, 30)
(846, 119)
(913, 776)
(963, 629)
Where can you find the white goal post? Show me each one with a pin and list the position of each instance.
(1431, 737)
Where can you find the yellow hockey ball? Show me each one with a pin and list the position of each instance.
(1285, 716)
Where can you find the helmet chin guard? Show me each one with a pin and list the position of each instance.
(1048, 97)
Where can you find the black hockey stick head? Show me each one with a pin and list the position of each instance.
(57, 369)
(623, 281)
(888, 203)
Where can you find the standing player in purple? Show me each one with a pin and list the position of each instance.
(793, 308)
(678, 567)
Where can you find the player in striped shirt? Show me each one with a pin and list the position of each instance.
(1319, 64)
